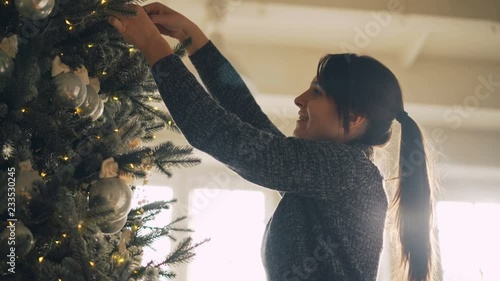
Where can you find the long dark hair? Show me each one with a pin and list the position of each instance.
(363, 86)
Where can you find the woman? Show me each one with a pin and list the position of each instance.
(329, 223)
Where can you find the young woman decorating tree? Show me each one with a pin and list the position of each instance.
(329, 224)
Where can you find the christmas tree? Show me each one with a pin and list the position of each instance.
(76, 104)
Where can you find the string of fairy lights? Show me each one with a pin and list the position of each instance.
(117, 257)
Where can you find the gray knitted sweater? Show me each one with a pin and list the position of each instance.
(329, 223)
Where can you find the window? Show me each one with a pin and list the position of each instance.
(221, 206)
(234, 220)
(469, 240)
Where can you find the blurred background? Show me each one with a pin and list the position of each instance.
(446, 55)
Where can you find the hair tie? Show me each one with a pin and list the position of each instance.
(401, 115)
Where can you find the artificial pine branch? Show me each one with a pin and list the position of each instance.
(157, 113)
(151, 215)
(180, 48)
(167, 155)
(154, 127)
(168, 274)
(119, 9)
(183, 253)
(158, 205)
(148, 238)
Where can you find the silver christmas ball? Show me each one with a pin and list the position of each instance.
(6, 66)
(71, 90)
(91, 103)
(99, 111)
(19, 234)
(25, 181)
(111, 193)
(35, 9)
(113, 227)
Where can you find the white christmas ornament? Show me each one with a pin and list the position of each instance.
(99, 110)
(135, 143)
(9, 46)
(58, 67)
(94, 83)
(26, 178)
(128, 178)
(111, 192)
(71, 90)
(23, 238)
(124, 239)
(91, 103)
(6, 66)
(7, 150)
(113, 227)
(109, 168)
(35, 9)
(83, 74)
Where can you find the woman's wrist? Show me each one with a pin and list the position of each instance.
(156, 50)
(198, 39)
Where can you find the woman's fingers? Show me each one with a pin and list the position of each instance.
(163, 30)
(167, 25)
(168, 21)
(114, 21)
(137, 30)
(161, 19)
(151, 8)
(156, 8)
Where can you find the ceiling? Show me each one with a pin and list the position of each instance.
(407, 30)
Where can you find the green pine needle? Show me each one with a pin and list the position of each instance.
(180, 48)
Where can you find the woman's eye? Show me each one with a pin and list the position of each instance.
(316, 91)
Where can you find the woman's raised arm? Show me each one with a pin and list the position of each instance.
(226, 86)
(221, 79)
(324, 169)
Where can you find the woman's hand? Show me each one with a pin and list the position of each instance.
(168, 21)
(141, 32)
(175, 25)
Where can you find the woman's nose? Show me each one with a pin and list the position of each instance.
(300, 101)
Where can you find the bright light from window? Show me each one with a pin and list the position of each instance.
(149, 194)
(469, 237)
(235, 223)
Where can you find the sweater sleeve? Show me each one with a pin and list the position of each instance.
(318, 168)
(226, 86)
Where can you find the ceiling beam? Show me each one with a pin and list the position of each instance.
(410, 55)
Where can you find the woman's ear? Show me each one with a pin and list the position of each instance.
(357, 123)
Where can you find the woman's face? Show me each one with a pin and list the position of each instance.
(317, 115)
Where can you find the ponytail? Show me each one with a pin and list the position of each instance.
(366, 87)
(414, 204)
